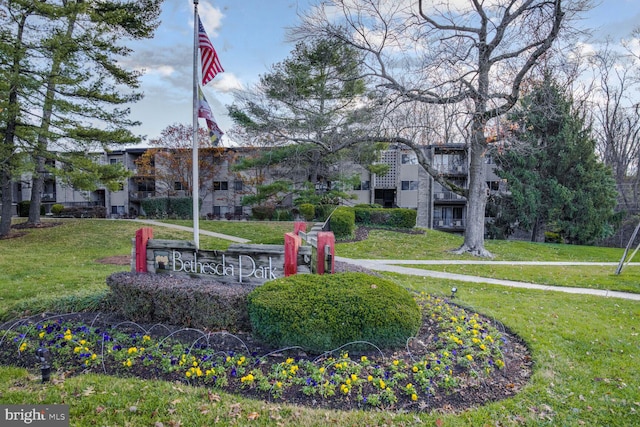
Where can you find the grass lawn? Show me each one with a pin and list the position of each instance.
(433, 244)
(583, 276)
(585, 349)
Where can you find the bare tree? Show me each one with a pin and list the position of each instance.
(617, 121)
(475, 55)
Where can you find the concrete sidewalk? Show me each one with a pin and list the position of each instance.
(388, 265)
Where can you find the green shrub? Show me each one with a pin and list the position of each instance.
(323, 211)
(308, 211)
(321, 313)
(262, 212)
(57, 209)
(394, 218)
(343, 223)
(168, 207)
(23, 208)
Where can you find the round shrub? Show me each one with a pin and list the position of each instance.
(343, 223)
(308, 211)
(57, 209)
(324, 312)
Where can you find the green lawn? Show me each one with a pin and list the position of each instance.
(433, 244)
(585, 349)
(582, 276)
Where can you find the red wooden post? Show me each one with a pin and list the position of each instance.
(291, 244)
(142, 237)
(299, 226)
(326, 252)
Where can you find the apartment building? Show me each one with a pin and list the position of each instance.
(405, 185)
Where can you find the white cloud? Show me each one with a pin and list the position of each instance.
(226, 82)
(211, 18)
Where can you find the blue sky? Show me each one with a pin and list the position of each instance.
(249, 36)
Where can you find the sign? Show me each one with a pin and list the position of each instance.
(245, 264)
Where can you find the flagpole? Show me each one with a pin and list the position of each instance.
(195, 180)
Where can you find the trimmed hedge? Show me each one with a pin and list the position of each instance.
(343, 223)
(168, 207)
(394, 218)
(181, 301)
(321, 313)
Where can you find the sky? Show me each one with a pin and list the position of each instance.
(250, 37)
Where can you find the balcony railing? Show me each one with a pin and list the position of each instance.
(452, 170)
(139, 195)
(449, 223)
(447, 196)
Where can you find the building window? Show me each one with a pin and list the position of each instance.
(493, 185)
(216, 210)
(178, 186)
(409, 185)
(117, 210)
(409, 159)
(238, 185)
(220, 185)
(237, 210)
(364, 185)
(115, 161)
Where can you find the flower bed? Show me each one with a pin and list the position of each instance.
(458, 359)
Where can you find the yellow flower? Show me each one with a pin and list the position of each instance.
(41, 335)
(499, 364)
(83, 342)
(279, 384)
(369, 378)
(249, 378)
(321, 370)
(188, 374)
(77, 349)
(363, 359)
(23, 346)
(94, 356)
(354, 377)
(132, 350)
(414, 369)
(395, 363)
(146, 338)
(289, 361)
(414, 397)
(127, 363)
(483, 347)
(470, 357)
(241, 360)
(382, 385)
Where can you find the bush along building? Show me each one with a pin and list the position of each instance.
(222, 189)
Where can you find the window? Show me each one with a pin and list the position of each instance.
(220, 185)
(364, 185)
(237, 210)
(115, 161)
(216, 210)
(409, 159)
(493, 185)
(117, 210)
(238, 185)
(178, 186)
(409, 185)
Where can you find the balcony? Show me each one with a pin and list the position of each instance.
(449, 224)
(139, 195)
(48, 197)
(448, 197)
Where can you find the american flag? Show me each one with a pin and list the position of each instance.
(210, 61)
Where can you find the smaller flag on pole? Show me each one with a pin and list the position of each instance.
(205, 112)
(209, 58)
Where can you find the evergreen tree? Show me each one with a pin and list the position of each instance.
(555, 180)
(69, 51)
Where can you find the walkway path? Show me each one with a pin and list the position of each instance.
(392, 265)
(190, 230)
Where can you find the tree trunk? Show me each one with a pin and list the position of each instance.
(7, 200)
(476, 198)
(537, 234)
(37, 187)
